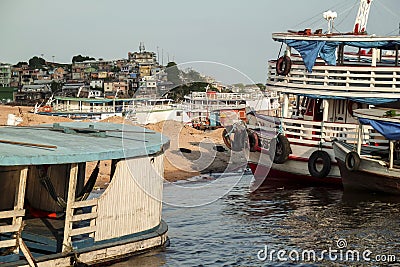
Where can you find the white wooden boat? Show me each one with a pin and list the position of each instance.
(45, 217)
(320, 87)
(366, 166)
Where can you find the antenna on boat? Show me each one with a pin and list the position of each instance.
(360, 25)
(330, 16)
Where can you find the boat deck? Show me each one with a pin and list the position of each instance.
(44, 236)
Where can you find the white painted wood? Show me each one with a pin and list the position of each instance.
(84, 217)
(12, 213)
(27, 253)
(83, 230)
(133, 200)
(8, 243)
(69, 210)
(84, 203)
(9, 228)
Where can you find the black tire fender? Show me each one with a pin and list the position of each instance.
(254, 141)
(280, 149)
(227, 139)
(283, 65)
(319, 155)
(352, 161)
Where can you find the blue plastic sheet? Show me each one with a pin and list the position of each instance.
(310, 50)
(389, 130)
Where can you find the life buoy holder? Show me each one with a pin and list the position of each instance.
(279, 149)
(352, 161)
(322, 157)
(283, 65)
(352, 106)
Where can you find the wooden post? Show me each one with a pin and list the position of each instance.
(359, 138)
(391, 150)
(69, 210)
(285, 108)
(19, 198)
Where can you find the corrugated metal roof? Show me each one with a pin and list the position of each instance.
(121, 141)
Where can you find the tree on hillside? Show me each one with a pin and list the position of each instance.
(20, 64)
(36, 62)
(261, 86)
(173, 73)
(179, 92)
(80, 58)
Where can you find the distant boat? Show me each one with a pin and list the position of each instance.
(140, 110)
(48, 216)
(206, 108)
(366, 165)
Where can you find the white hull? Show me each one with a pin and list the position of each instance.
(296, 166)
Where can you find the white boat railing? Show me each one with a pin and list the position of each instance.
(318, 133)
(355, 80)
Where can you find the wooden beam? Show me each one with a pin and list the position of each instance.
(69, 211)
(84, 230)
(84, 217)
(11, 213)
(84, 203)
(8, 243)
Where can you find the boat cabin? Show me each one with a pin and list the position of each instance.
(50, 213)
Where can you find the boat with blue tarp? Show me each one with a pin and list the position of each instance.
(366, 166)
(321, 77)
(48, 216)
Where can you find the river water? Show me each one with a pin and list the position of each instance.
(310, 226)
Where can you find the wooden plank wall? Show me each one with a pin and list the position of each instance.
(37, 195)
(133, 201)
(9, 177)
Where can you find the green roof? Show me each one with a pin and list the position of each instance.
(119, 141)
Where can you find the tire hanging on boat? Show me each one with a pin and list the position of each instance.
(352, 161)
(283, 65)
(352, 106)
(254, 141)
(319, 156)
(227, 139)
(280, 149)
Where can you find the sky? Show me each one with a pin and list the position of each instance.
(231, 39)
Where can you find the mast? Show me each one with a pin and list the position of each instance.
(362, 17)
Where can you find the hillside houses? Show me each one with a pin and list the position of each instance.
(138, 75)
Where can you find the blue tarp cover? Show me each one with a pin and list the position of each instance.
(390, 130)
(309, 50)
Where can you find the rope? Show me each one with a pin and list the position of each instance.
(280, 49)
(83, 195)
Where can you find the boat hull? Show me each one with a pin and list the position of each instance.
(294, 169)
(371, 175)
(106, 252)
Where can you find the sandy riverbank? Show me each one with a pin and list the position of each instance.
(198, 156)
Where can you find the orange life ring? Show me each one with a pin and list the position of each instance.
(47, 109)
(283, 65)
(352, 106)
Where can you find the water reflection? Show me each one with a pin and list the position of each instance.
(233, 229)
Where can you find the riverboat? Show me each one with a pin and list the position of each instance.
(320, 86)
(49, 214)
(367, 166)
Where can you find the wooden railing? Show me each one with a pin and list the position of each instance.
(315, 133)
(15, 216)
(354, 80)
